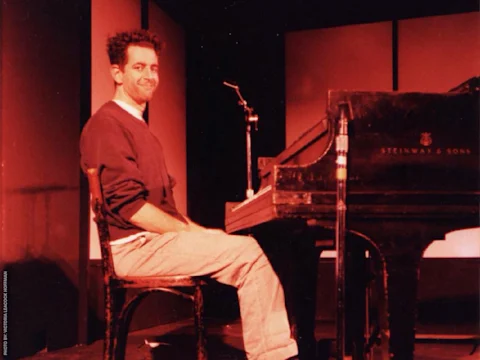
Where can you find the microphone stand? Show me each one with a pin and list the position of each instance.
(250, 118)
(341, 143)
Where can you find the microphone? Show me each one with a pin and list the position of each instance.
(230, 85)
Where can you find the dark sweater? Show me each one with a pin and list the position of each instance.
(131, 164)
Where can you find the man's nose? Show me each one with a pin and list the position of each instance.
(148, 73)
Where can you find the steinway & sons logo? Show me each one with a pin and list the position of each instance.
(425, 141)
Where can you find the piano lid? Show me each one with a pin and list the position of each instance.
(398, 141)
(309, 147)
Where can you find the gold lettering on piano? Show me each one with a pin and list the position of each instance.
(458, 151)
(424, 151)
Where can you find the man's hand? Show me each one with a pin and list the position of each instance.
(193, 226)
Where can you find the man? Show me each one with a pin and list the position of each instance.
(149, 236)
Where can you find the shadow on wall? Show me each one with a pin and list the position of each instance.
(42, 307)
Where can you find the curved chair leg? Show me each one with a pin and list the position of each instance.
(123, 323)
(199, 324)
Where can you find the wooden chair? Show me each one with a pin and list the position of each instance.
(118, 312)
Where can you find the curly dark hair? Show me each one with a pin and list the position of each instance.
(117, 44)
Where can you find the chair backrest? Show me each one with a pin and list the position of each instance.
(98, 207)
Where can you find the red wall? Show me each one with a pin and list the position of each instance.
(347, 57)
(40, 116)
(437, 53)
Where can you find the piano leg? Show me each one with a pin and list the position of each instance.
(305, 268)
(402, 280)
(355, 298)
(295, 260)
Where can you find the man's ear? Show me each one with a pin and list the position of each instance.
(117, 74)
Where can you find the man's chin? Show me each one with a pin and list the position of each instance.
(148, 95)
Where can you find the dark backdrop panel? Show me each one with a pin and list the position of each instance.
(216, 150)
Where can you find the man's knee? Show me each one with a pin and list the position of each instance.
(251, 250)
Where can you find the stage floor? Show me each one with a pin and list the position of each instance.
(225, 343)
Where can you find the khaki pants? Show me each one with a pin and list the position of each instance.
(230, 259)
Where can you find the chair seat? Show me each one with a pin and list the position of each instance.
(158, 281)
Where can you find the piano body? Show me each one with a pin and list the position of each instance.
(413, 176)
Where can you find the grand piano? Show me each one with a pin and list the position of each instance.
(413, 176)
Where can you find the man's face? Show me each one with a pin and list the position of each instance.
(140, 74)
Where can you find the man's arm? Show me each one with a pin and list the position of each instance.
(153, 219)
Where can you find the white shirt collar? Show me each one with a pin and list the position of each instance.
(130, 109)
